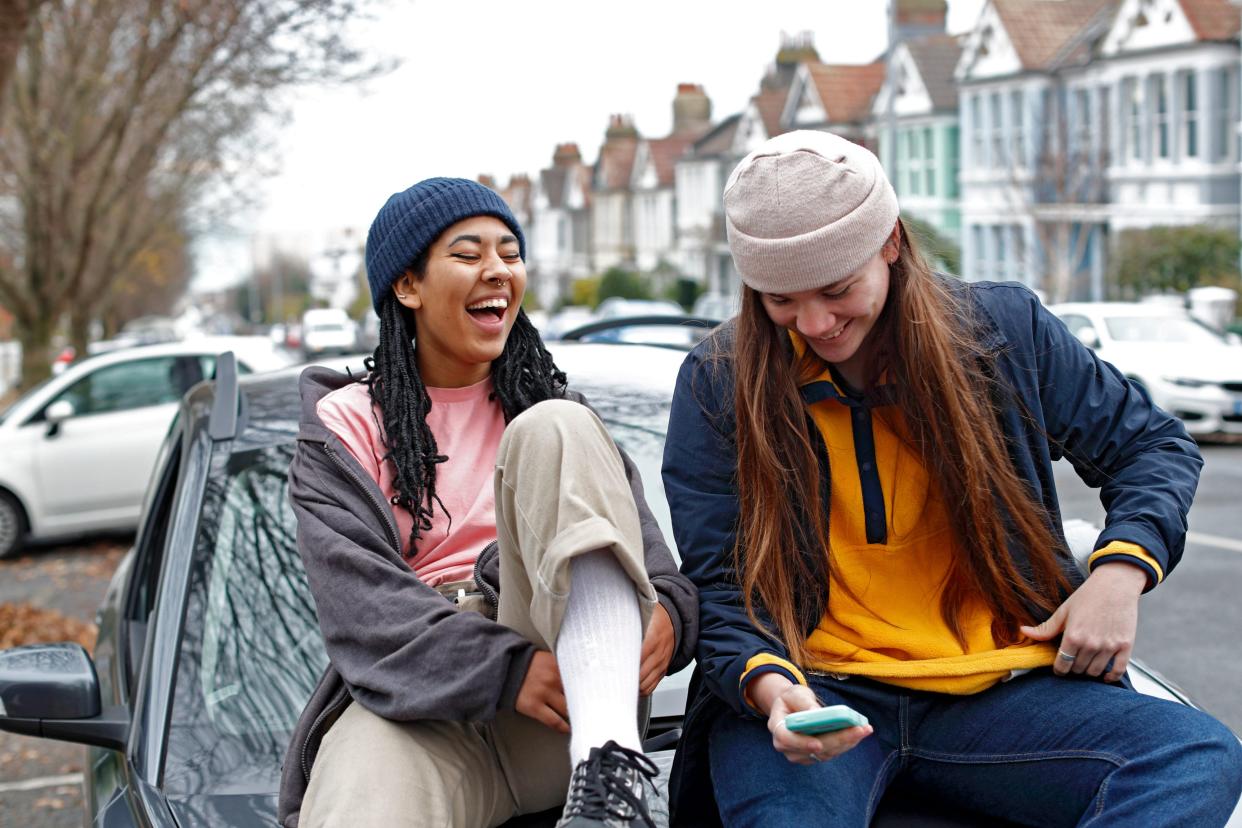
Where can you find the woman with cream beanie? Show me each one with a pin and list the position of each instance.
(891, 431)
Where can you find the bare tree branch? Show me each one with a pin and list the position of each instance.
(124, 114)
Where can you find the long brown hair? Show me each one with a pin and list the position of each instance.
(950, 398)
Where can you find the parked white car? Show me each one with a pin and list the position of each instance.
(1190, 370)
(76, 451)
(328, 331)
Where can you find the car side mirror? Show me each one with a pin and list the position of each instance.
(56, 414)
(1088, 337)
(52, 691)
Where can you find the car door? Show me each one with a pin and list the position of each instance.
(92, 469)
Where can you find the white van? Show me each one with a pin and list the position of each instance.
(328, 331)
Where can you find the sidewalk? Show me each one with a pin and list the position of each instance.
(50, 594)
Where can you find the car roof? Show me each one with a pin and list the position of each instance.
(1119, 309)
(271, 405)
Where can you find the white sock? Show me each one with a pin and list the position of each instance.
(598, 651)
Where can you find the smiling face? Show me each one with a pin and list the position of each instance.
(835, 320)
(466, 301)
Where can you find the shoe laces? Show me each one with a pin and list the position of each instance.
(601, 788)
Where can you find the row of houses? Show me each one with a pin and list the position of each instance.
(1033, 141)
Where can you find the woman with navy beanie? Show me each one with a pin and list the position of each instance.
(493, 591)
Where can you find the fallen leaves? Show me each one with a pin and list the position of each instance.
(27, 624)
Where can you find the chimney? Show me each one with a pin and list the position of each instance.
(566, 155)
(916, 18)
(692, 109)
(487, 181)
(620, 126)
(795, 49)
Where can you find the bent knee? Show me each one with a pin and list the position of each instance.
(551, 423)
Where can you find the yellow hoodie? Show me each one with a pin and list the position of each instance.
(891, 629)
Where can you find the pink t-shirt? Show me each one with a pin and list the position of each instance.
(467, 426)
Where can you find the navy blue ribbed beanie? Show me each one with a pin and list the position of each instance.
(411, 220)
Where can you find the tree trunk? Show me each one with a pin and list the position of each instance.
(37, 354)
(79, 330)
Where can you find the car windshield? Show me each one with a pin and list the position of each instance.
(251, 651)
(1162, 329)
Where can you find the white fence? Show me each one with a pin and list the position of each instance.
(10, 365)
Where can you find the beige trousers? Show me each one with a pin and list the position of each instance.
(561, 491)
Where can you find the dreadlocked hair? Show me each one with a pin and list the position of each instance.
(523, 374)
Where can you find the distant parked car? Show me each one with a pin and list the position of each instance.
(616, 306)
(328, 331)
(1190, 370)
(720, 306)
(566, 319)
(76, 451)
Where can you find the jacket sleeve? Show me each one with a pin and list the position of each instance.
(1140, 458)
(675, 591)
(402, 649)
(700, 458)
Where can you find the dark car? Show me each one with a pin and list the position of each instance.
(208, 643)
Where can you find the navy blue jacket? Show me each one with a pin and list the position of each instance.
(1066, 403)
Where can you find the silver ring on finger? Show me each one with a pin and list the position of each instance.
(1068, 658)
(815, 756)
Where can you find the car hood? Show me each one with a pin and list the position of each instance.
(224, 810)
(1169, 359)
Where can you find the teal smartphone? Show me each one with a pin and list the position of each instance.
(825, 719)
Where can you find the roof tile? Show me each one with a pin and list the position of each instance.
(846, 91)
(1213, 19)
(1045, 32)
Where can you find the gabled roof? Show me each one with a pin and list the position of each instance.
(663, 153)
(845, 90)
(936, 57)
(552, 182)
(1047, 33)
(770, 104)
(1213, 19)
(517, 193)
(718, 140)
(615, 164)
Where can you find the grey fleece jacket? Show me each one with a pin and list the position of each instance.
(396, 645)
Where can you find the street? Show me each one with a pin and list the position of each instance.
(1189, 626)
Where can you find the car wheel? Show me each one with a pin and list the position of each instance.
(12, 525)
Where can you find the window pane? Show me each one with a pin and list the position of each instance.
(1161, 99)
(929, 169)
(1016, 107)
(131, 385)
(251, 650)
(1190, 115)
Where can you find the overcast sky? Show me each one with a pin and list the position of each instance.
(492, 87)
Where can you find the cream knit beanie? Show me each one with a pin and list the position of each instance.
(805, 210)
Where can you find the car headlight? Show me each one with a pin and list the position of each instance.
(1186, 382)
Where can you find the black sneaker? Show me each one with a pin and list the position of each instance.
(613, 786)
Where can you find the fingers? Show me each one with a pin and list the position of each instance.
(1117, 669)
(811, 750)
(648, 681)
(550, 717)
(1049, 629)
(1108, 661)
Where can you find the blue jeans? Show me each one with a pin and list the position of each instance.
(1037, 750)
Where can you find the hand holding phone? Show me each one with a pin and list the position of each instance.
(824, 719)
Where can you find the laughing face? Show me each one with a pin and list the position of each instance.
(835, 320)
(466, 301)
